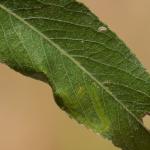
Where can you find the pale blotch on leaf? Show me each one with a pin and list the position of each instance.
(102, 29)
(82, 41)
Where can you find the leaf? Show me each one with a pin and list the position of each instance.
(94, 76)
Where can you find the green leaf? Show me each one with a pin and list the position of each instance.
(95, 77)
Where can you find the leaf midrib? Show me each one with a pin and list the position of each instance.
(73, 60)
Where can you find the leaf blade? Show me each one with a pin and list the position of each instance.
(88, 106)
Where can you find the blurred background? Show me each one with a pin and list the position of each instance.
(29, 117)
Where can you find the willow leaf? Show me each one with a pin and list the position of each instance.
(95, 77)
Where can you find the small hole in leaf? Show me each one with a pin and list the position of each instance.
(146, 121)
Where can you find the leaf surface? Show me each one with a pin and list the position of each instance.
(95, 77)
